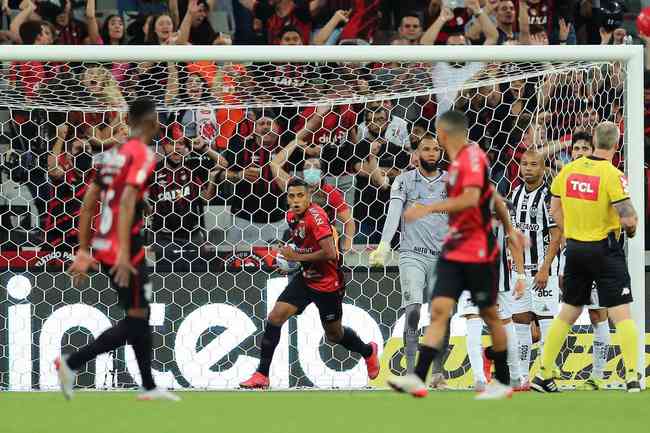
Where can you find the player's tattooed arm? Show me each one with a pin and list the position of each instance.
(628, 216)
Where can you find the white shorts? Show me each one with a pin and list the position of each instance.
(466, 307)
(543, 303)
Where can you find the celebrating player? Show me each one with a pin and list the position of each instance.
(420, 241)
(582, 146)
(531, 214)
(123, 178)
(591, 203)
(320, 281)
(469, 257)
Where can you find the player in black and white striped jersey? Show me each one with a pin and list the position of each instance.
(510, 287)
(530, 213)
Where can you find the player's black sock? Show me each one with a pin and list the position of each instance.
(141, 339)
(501, 371)
(353, 343)
(427, 355)
(110, 339)
(270, 341)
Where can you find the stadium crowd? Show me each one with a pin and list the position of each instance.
(242, 158)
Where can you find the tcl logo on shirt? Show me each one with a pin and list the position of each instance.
(582, 187)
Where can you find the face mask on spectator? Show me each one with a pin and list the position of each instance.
(312, 175)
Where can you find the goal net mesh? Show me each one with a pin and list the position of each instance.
(217, 202)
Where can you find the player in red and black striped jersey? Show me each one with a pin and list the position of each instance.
(123, 176)
(469, 258)
(319, 281)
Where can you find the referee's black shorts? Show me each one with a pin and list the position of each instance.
(481, 279)
(589, 262)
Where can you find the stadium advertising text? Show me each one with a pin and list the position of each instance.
(207, 329)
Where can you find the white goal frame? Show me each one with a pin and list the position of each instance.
(630, 55)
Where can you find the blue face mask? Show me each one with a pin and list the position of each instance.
(312, 175)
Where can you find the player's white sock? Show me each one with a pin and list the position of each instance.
(513, 352)
(525, 341)
(544, 326)
(601, 347)
(475, 348)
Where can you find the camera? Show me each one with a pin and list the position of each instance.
(611, 16)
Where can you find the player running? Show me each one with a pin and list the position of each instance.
(320, 281)
(582, 146)
(511, 264)
(420, 242)
(469, 257)
(530, 213)
(123, 178)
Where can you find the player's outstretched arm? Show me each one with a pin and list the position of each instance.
(628, 216)
(395, 208)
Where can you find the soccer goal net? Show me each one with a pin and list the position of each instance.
(237, 122)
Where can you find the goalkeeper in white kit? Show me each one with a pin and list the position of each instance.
(420, 241)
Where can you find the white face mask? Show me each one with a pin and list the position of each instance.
(312, 175)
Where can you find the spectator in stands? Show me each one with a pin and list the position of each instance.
(445, 73)
(377, 162)
(613, 37)
(330, 32)
(291, 36)
(324, 194)
(505, 23)
(410, 28)
(112, 31)
(378, 122)
(274, 15)
(178, 195)
(27, 27)
(70, 172)
(258, 204)
(201, 31)
(101, 85)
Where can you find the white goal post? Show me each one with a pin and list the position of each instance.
(630, 56)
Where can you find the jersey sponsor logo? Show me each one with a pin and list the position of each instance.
(174, 194)
(583, 187)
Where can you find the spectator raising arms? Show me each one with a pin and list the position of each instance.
(324, 194)
(257, 205)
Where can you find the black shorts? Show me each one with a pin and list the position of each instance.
(595, 262)
(138, 293)
(298, 294)
(481, 279)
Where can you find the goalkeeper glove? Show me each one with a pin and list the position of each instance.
(378, 257)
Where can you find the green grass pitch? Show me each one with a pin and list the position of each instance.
(327, 412)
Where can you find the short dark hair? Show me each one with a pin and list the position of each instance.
(581, 135)
(410, 14)
(454, 120)
(30, 30)
(296, 182)
(140, 108)
(290, 29)
(426, 136)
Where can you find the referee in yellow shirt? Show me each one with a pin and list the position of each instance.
(591, 204)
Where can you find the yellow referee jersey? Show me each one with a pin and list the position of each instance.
(588, 187)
